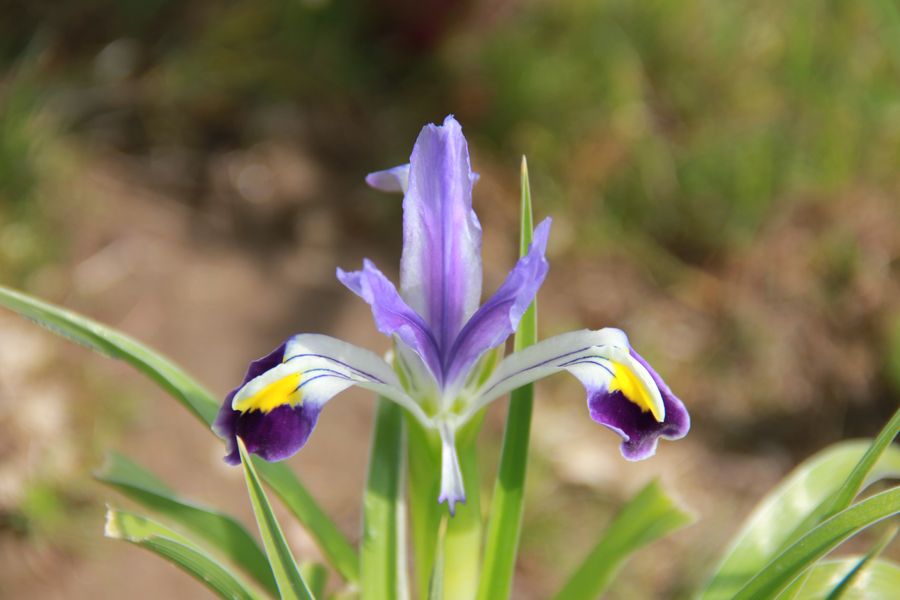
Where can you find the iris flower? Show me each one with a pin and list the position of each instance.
(444, 367)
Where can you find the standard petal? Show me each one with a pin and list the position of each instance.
(392, 315)
(390, 180)
(276, 407)
(498, 318)
(440, 269)
(624, 393)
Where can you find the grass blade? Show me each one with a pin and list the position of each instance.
(507, 503)
(290, 583)
(178, 550)
(781, 571)
(650, 515)
(219, 530)
(172, 379)
(768, 527)
(383, 553)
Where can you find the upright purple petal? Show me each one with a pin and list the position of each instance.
(392, 315)
(640, 431)
(440, 269)
(498, 318)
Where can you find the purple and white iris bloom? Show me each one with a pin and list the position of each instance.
(443, 370)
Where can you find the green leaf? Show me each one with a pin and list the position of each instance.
(219, 530)
(800, 555)
(774, 518)
(507, 503)
(880, 579)
(650, 515)
(290, 583)
(436, 583)
(335, 546)
(844, 495)
(316, 577)
(383, 553)
(845, 584)
(177, 549)
(115, 345)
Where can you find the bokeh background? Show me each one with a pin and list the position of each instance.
(723, 178)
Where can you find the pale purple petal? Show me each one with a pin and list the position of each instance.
(390, 180)
(392, 315)
(498, 318)
(440, 269)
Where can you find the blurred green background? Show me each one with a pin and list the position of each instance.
(723, 178)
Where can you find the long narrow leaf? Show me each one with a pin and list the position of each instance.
(290, 583)
(383, 552)
(881, 579)
(115, 344)
(507, 503)
(223, 533)
(650, 515)
(178, 550)
(335, 546)
(779, 573)
(770, 524)
(847, 582)
(844, 495)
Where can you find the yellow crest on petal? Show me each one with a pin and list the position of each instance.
(626, 381)
(278, 393)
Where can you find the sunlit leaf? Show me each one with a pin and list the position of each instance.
(789, 564)
(177, 549)
(219, 531)
(650, 515)
(290, 582)
(770, 524)
(880, 579)
(117, 345)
